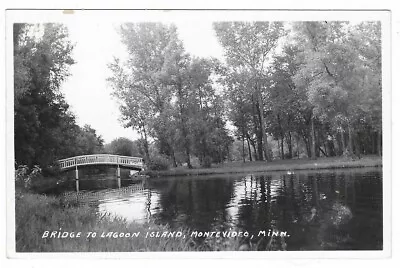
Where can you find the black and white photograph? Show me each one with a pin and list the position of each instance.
(242, 132)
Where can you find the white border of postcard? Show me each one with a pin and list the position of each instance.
(40, 16)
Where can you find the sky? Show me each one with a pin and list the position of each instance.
(96, 43)
(96, 40)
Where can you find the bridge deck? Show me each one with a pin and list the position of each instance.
(102, 159)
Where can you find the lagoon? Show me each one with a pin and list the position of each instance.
(317, 210)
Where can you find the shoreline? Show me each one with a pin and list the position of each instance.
(253, 167)
(59, 226)
(274, 166)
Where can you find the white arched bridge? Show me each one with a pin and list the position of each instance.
(129, 162)
(135, 163)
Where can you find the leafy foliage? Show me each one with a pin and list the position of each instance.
(158, 162)
(168, 96)
(122, 146)
(248, 47)
(24, 176)
(45, 129)
(315, 79)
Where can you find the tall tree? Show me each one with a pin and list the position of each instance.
(136, 82)
(167, 94)
(335, 74)
(175, 77)
(43, 123)
(289, 106)
(247, 47)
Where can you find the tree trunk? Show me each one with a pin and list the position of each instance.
(350, 143)
(279, 148)
(257, 131)
(357, 145)
(312, 139)
(248, 146)
(342, 141)
(282, 151)
(189, 164)
(317, 142)
(173, 157)
(253, 145)
(243, 137)
(336, 146)
(308, 146)
(322, 151)
(183, 125)
(289, 144)
(259, 148)
(243, 156)
(263, 125)
(146, 145)
(297, 144)
(260, 135)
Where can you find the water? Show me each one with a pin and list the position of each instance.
(327, 210)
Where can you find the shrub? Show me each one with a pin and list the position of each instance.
(158, 162)
(25, 176)
(51, 171)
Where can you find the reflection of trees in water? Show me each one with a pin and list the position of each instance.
(197, 204)
(254, 205)
(319, 211)
(338, 210)
(148, 204)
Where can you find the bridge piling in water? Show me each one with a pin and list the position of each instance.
(119, 176)
(77, 179)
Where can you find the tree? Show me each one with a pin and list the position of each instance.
(166, 94)
(289, 106)
(247, 47)
(122, 146)
(175, 77)
(42, 121)
(365, 39)
(88, 142)
(136, 82)
(239, 102)
(335, 74)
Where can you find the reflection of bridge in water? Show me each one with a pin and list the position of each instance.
(87, 197)
(118, 161)
(111, 195)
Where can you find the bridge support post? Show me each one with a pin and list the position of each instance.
(76, 179)
(119, 176)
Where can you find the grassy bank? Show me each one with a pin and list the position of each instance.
(36, 214)
(276, 165)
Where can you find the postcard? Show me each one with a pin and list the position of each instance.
(203, 133)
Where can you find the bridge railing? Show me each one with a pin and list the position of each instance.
(130, 160)
(100, 159)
